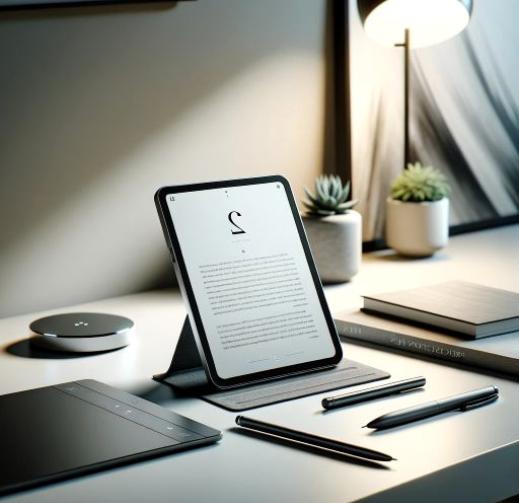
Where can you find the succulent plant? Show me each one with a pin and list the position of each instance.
(330, 197)
(420, 183)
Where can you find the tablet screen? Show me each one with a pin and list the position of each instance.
(250, 278)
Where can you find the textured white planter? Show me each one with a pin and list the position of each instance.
(336, 244)
(417, 229)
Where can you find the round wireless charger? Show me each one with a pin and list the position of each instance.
(82, 332)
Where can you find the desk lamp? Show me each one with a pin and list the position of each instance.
(411, 24)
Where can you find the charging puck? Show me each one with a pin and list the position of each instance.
(82, 332)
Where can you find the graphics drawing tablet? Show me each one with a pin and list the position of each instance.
(70, 429)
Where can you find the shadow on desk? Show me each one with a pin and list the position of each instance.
(392, 256)
(158, 393)
(25, 349)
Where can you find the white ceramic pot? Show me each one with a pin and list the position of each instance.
(417, 229)
(336, 244)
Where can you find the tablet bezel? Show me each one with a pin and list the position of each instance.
(190, 298)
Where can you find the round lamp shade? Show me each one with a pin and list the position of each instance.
(429, 21)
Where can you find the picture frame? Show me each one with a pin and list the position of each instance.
(480, 57)
(17, 5)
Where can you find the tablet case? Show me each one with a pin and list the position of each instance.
(186, 371)
(186, 374)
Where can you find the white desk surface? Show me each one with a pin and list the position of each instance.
(469, 456)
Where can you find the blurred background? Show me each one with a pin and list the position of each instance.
(100, 106)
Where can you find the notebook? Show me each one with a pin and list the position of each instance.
(467, 308)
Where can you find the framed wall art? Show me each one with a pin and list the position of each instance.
(464, 116)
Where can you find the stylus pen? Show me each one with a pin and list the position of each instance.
(362, 395)
(310, 439)
(463, 402)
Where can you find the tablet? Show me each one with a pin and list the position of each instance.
(244, 266)
(70, 429)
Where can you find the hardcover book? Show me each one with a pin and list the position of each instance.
(499, 353)
(459, 306)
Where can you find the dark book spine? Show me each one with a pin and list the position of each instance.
(433, 349)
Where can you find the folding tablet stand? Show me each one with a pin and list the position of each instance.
(186, 371)
(187, 374)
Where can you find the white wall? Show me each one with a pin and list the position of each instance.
(100, 106)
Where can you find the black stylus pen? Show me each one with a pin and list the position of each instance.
(310, 439)
(362, 395)
(464, 401)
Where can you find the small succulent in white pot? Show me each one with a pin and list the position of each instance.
(334, 229)
(417, 211)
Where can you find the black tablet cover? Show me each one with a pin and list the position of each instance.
(56, 432)
(244, 266)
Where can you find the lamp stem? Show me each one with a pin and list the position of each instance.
(407, 61)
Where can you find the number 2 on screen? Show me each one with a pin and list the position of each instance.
(235, 229)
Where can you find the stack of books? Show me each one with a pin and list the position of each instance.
(456, 320)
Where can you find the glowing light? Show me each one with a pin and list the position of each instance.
(429, 21)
